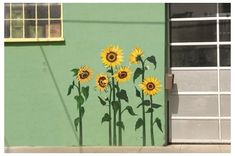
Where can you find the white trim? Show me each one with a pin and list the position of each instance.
(198, 68)
(198, 43)
(199, 19)
(200, 118)
(33, 39)
(201, 93)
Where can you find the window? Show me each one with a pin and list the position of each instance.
(33, 22)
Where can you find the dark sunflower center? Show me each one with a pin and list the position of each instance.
(84, 74)
(122, 74)
(150, 86)
(111, 56)
(101, 81)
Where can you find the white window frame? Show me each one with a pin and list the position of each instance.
(36, 39)
(217, 68)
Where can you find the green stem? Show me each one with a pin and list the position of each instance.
(143, 107)
(151, 122)
(119, 119)
(110, 122)
(114, 112)
(80, 117)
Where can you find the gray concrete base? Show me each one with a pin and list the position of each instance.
(174, 148)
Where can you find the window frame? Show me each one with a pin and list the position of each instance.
(36, 39)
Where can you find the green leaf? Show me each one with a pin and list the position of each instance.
(85, 91)
(152, 60)
(70, 89)
(137, 73)
(79, 99)
(75, 70)
(106, 117)
(145, 102)
(109, 71)
(139, 123)
(120, 124)
(122, 95)
(102, 101)
(150, 110)
(137, 92)
(116, 106)
(76, 122)
(82, 111)
(159, 124)
(130, 110)
(154, 105)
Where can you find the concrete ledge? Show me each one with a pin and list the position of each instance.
(174, 148)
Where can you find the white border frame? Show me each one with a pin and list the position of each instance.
(217, 68)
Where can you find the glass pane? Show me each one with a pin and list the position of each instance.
(55, 10)
(193, 56)
(224, 9)
(193, 105)
(42, 28)
(7, 29)
(195, 31)
(185, 10)
(225, 55)
(42, 10)
(225, 30)
(55, 30)
(196, 80)
(194, 129)
(226, 129)
(17, 29)
(225, 105)
(225, 80)
(17, 11)
(30, 29)
(7, 10)
(29, 10)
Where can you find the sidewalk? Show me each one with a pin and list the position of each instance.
(174, 148)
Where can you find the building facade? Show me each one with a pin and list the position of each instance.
(44, 42)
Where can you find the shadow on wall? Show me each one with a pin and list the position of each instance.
(173, 107)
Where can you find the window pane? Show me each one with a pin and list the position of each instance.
(7, 29)
(224, 9)
(7, 10)
(29, 10)
(42, 10)
(17, 11)
(42, 28)
(55, 10)
(193, 56)
(225, 55)
(17, 29)
(30, 29)
(186, 10)
(225, 30)
(196, 31)
(55, 28)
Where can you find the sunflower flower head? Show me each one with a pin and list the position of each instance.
(102, 82)
(112, 56)
(84, 74)
(150, 86)
(123, 74)
(133, 57)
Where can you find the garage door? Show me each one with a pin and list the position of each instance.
(199, 104)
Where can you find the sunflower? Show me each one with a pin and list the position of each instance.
(137, 52)
(102, 82)
(150, 86)
(84, 74)
(123, 74)
(112, 56)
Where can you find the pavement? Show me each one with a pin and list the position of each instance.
(173, 148)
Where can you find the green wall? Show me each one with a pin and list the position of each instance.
(37, 75)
